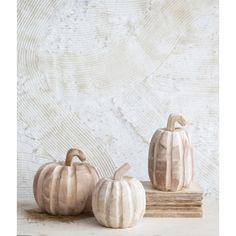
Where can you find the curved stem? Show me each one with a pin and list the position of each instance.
(121, 171)
(74, 152)
(173, 118)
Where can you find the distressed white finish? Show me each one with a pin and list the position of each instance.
(119, 202)
(104, 75)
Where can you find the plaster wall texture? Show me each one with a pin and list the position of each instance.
(104, 75)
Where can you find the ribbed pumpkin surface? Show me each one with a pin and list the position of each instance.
(64, 190)
(170, 162)
(119, 203)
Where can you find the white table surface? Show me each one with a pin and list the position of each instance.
(29, 223)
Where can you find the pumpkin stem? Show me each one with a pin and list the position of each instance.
(121, 171)
(173, 118)
(74, 152)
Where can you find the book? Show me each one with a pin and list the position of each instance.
(184, 203)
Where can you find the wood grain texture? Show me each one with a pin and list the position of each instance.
(65, 188)
(174, 214)
(194, 190)
(170, 160)
(119, 203)
(184, 203)
(80, 82)
(190, 195)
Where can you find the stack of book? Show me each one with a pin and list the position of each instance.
(184, 203)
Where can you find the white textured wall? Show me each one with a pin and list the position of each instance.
(104, 75)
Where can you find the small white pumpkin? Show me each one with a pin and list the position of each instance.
(65, 189)
(119, 202)
(170, 162)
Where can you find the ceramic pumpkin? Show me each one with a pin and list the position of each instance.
(119, 202)
(170, 162)
(63, 188)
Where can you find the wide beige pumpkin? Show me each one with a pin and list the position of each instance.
(65, 188)
(170, 162)
(119, 202)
